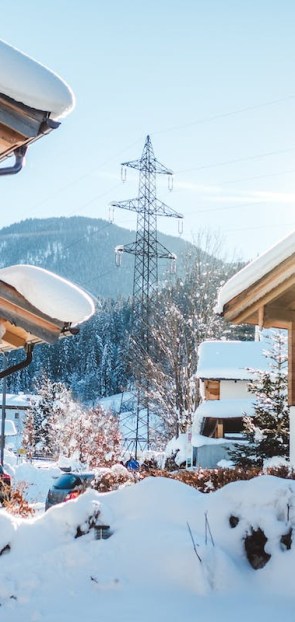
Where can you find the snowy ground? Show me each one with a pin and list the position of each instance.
(148, 570)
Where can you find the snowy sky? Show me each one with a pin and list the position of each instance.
(212, 83)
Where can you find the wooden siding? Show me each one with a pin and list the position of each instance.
(212, 389)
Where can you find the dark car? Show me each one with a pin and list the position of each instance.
(67, 486)
(5, 485)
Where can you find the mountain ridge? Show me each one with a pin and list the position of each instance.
(76, 247)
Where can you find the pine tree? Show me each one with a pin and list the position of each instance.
(46, 410)
(267, 433)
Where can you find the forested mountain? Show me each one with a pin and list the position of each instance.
(96, 362)
(80, 249)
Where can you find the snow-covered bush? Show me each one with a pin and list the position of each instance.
(111, 479)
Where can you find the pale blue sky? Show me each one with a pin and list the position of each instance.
(212, 82)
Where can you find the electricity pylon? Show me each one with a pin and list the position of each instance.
(146, 250)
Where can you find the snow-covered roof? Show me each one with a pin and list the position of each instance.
(18, 400)
(256, 269)
(230, 359)
(29, 82)
(54, 296)
(225, 409)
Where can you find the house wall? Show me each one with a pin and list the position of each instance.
(208, 456)
(234, 389)
(17, 416)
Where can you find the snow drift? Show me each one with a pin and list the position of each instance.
(148, 569)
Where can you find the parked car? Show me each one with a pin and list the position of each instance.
(5, 485)
(67, 486)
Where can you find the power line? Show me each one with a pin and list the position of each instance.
(225, 114)
(87, 235)
(286, 224)
(234, 181)
(235, 160)
(84, 176)
(227, 207)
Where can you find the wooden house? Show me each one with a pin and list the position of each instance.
(263, 293)
(225, 369)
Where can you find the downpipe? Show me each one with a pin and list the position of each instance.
(22, 364)
(19, 155)
(3, 374)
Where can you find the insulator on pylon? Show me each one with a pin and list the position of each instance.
(173, 266)
(170, 183)
(123, 173)
(173, 258)
(111, 213)
(119, 250)
(180, 226)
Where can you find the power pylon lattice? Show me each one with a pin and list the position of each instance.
(147, 250)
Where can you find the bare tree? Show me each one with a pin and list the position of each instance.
(185, 317)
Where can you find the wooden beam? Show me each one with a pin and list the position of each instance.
(266, 289)
(239, 313)
(291, 365)
(13, 340)
(261, 317)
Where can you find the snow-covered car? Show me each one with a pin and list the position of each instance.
(5, 485)
(67, 486)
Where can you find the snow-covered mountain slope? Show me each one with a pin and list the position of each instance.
(79, 249)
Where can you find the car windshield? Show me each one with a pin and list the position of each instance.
(67, 482)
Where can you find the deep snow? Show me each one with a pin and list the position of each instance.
(231, 360)
(27, 81)
(51, 294)
(148, 570)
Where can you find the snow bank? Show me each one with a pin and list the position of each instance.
(178, 447)
(37, 480)
(51, 294)
(148, 569)
(27, 81)
(225, 409)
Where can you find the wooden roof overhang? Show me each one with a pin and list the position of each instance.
(22, 323)
(268, 302)
(20, 125)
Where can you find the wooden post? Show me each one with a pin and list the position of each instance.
(219, 428)
(291, 364)
(291, 389)
(261, 317)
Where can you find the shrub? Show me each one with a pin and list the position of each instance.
(17, 504)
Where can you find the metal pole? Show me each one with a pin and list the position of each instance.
(3, 412)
